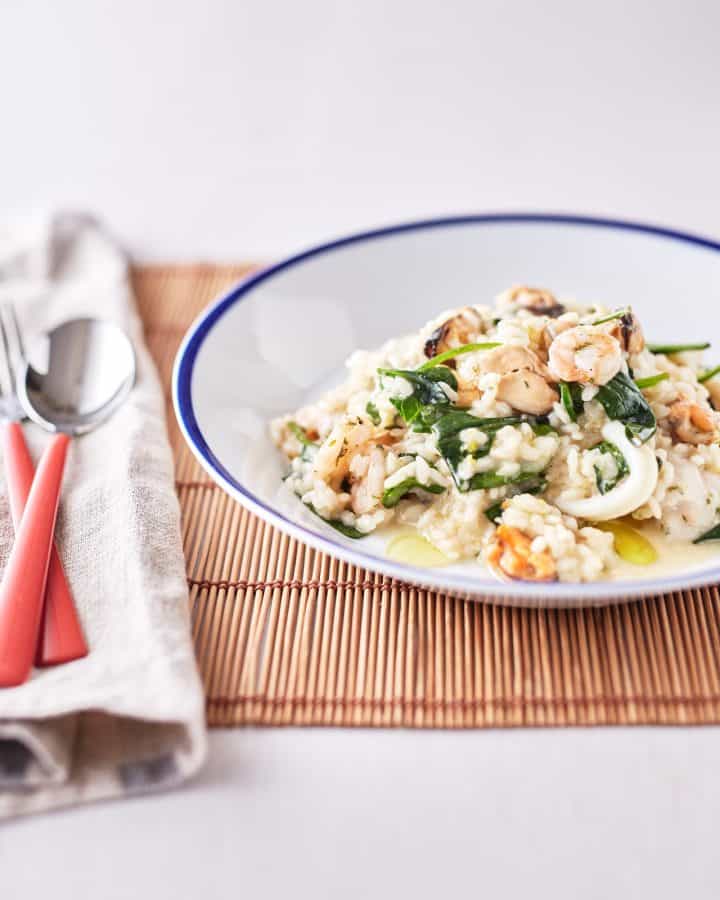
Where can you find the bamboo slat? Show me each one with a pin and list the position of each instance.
(285, 635)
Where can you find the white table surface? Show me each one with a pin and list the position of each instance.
(324, 813)
(229, 130)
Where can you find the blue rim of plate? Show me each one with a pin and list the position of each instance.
(455, 584)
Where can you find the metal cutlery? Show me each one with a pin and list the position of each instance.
(60, 637)
(73, 379)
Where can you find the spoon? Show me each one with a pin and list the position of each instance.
(75, 378)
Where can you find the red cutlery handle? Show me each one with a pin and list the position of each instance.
(23, 586)
(61, 638)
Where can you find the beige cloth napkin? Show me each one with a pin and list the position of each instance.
(130, 717)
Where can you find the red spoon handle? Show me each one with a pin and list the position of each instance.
(23, 585)
(61, 638)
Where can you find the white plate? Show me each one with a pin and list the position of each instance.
(281, 337)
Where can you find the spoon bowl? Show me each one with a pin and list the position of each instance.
(77, 375)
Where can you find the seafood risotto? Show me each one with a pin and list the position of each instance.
(535, 436)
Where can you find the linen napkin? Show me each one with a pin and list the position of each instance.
(130, 716)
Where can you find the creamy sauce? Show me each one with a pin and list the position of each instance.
(673, 558)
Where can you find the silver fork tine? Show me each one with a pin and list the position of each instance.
(17, 333)
(7, 363)
(12, 352)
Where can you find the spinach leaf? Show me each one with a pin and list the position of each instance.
(372, 412)
(622, 400)
(535, 485)
(428, 400)
(676, 348)
(712, 535)
(495, 511)
(338, 525)
(452, 423)
(447, 430)
(607, 484)
(541, 428)
(571, 397)
(493, 480)
(392, 496)
(652, 380)
(426, 384)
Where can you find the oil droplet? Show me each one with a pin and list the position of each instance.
(410, 547)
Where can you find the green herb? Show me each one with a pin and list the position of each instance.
(428, 400)
(534, 485)
(571, 397)
(338, 525)
(372, 412)
(676, 348)
(392, 496)
(618, 314)
(622, 400)
(621, 467)
(308, 447)
(651, 380)
(456, 351)
(706, 376)
(300, 434)
(712, 535)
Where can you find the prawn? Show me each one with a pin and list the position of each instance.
(585, 353)
(511, 555)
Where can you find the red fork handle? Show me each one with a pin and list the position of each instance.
(23, 586)
(61, 638)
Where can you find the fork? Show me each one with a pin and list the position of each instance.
(59, 635)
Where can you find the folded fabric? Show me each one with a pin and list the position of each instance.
(130, 716)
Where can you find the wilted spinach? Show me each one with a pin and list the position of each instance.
(428, 400)
(712, 535)
(489, 480)
(622, 400)
(534, 485)
(448, 429)
(607, 484)
(571, 397)
(338, 525)
(392, 496)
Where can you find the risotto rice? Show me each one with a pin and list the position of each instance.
(514, 435)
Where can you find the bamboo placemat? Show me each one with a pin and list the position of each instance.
(286, 635)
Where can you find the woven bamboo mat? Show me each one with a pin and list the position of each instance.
(287, 635)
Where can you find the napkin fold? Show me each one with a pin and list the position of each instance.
(130, 716)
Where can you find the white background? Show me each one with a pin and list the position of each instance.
(219, 130)
(236, 130)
